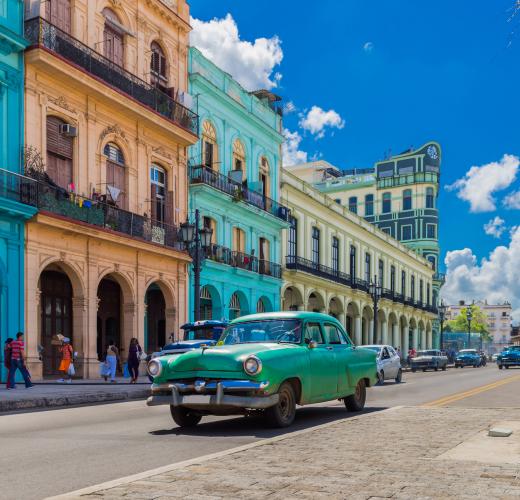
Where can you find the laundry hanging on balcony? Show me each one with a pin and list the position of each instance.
(114, 193)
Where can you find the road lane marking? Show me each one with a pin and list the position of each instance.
(472, 392)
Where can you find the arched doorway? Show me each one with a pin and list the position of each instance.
(336, 308)
(109, 314)
(155, 319)
(263, 305)
(292, 299)
(315, 303)
(56, 317)
(237, 306)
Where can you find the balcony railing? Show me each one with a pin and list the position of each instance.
(244, 261)
(41, 33)
(51, 198)
(201, 174)
(301, 264)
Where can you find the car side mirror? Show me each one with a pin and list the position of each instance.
(313, 344)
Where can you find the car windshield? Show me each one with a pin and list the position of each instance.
(426, 353)
(467, 351)
(203, 333)
(373, 348)
(513, 348)
(274, 330)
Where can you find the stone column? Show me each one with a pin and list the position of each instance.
(405, 343)
(80, 335)
(384, 332)
(395, 336)
(370, 332)
(424, 340)
(358, 335)
(32, 312)
(415, 338)
(91, 362)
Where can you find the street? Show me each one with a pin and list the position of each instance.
(47, 453)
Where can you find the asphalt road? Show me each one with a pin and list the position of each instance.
(51, 452)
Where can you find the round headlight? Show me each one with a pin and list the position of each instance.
(154, 368)
(252, 365)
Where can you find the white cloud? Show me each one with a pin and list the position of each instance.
(480, 183)
(289, 108)
(368, 47)
(512, 201)
(291, 153)
(495, 227)
(496, 278)
(250, 63)
(316, 120)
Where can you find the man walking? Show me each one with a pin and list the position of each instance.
(18, 362)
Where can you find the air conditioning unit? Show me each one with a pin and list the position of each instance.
(68, 130)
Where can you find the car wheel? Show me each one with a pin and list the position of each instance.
(500, 367)
(444, 368)
(184, 417)
(399, 377)
(424, 369)
(436, 368)
(282, 413)
(356, 402)
(414, 370)
(380, 377)
(507, 367)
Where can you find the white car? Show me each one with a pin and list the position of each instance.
(388, 363)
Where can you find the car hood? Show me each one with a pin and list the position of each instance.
(228, 358)
(510, 354)
(189, 344)
(467, 356)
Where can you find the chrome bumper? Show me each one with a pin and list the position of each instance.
(196, 395)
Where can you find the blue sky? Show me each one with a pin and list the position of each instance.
(443, 70)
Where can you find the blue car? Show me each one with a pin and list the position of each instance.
(468, 357)
(510, 356)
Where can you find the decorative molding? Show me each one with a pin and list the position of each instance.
(62, 102)
(114, 129)
(160, 151)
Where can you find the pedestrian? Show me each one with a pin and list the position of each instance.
(112, 359)
(18, 362)
(7, 360)
(134, 358)
(67, 358)
(398, 350)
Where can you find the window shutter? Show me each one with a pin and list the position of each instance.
(53, 134)
(168, 209)
(153, 204)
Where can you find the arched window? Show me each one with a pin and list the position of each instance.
(407, 199)
(234, 306)
(57, 12)
(60, 150)
(239, 161)
(113, 38)
(387, 203)
(430, 198)
(352, 204)
(116, 174)
(433, 261)
(260, 306)
(158, 70)
(209, 146)
(161, 198)
(206, 303)
(265, 176)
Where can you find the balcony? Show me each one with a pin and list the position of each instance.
(202, 174)
(407, 179)
(300, 264)
(57, 201)
(42, 34)
(244, 261)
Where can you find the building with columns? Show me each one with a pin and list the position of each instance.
(234, 183)
(331, 257)
(13, 213)
(105, 82)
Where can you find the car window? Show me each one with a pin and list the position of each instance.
(392, 352)
(385, 354)
(313, 332)
(332, 334)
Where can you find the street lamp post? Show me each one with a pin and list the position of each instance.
(375, 292)
(442, 314)
(469, 317)
(197, 241)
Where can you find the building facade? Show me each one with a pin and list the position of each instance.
(331, 258)
(234, 183)
(109, 138)
(13, 213)
(498, 321)
(398, 195)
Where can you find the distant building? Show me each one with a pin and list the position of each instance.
(498, 320)
(515, 335)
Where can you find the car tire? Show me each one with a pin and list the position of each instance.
(380, 377)
(500, 367)
(436, 368)
(444, 368)
(184, 417)
(414, 370)
(507, 367)
(282, 413)
(356, 401)
(424, 369)
(399, 377)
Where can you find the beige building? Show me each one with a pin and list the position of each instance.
(498, 320)
(104, 86)
(332, 256)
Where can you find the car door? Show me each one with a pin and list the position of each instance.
(394, 363)
(322, 363)
(386, 363)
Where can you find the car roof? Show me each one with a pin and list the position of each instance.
(206, 322)
(287, 315)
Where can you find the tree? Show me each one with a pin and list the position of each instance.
(478, 323)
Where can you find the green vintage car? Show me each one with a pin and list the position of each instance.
(265, 362)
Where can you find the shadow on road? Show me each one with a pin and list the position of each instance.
(306, 417)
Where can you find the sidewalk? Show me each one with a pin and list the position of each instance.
(398, 453)
(51, 394)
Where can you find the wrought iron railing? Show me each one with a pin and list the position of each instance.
(300, 264)
(201, 174)
(97, 212)
(41, 33)
(360, 284)
(241, 260)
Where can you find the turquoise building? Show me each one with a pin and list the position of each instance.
(12, 212)
(234, 182)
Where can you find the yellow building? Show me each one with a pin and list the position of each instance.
(104, 86)
(333, 256)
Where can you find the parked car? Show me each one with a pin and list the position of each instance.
(269, 362)
(494, 357)
(510, 356)
(388, 363)
(431, 359)
(468, 357)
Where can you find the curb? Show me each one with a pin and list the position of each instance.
(71, 400)
(205, 458)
